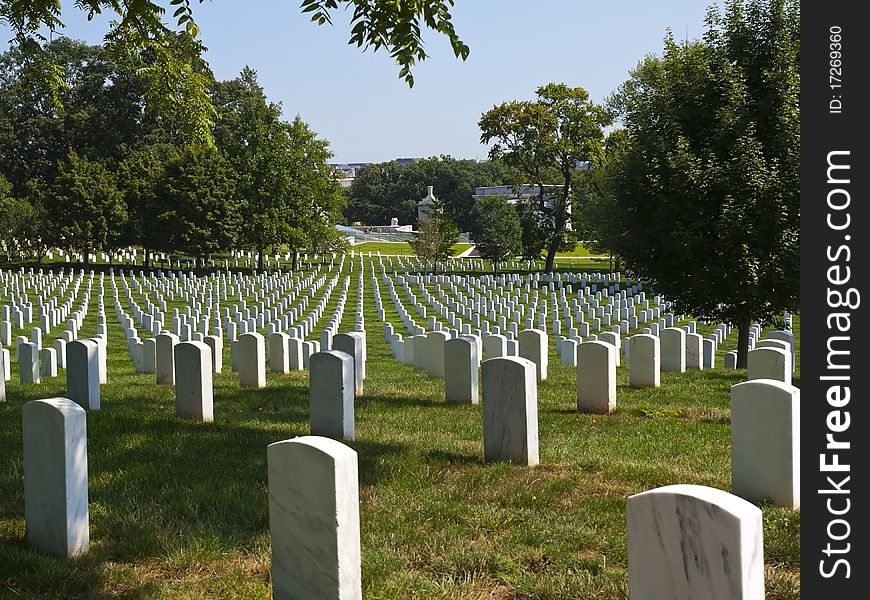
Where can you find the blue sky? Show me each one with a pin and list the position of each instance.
(356, 100)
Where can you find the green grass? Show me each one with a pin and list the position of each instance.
(579, 250)
(180, 509)
(397, 248)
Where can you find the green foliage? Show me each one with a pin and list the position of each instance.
(140, 175)
(383, 191)
(704, 189)
(85, 205)
(199, 213)
(286, 190)
(101, 116)
(544, 140)
(168, 57)
(394, 26)
(496, 231)
(436, 236)
(386, 190)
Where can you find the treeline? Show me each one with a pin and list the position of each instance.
(385, 190)
(93, 169)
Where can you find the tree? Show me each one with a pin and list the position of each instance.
(101, 117)
(496, 230)
(382, 191)
(544, 140)
(256, 142)
(316, 200)
(199, 213)
(454, 182)
(436, 237)
(706, 197)
(141, 174)
(85, 205)
(175, 83)
(386, 190)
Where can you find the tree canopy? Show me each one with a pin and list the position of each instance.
(496, 230)
(279, 182)
(168, 55)
(385, 190)
(703, 196)
(546, 140)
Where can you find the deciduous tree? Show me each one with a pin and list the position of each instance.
(496, 230)
(199, 211)
(706, 199)
(86, 206)
(436, 236)
(176, 85)
(545, 140)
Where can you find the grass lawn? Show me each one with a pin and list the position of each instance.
(180, 509)
(578, 251)
(397, 248)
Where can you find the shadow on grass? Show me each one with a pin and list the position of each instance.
(163, 490)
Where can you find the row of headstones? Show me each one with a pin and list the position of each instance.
(514, 384)
(512, 328)
(190, 366)
(152, 317)
(233, 329)
(215, 287)
(481, 316)
(315, 480)
(242, 325)
(36, 362)
(20, 311)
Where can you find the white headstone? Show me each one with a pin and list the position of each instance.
(596, 377)
(460, 371)
(769, 363)
(331, 394)
(645, 367)
(56, 477)
(28, 362)
(510, 410)
(252, 360)
(83, 374)
(673, 349)
(194, 393)
(165, 352)
(533, 346)
(352, 345)
(765, 442)
(694, 351)
(692, 542)
(314, 519)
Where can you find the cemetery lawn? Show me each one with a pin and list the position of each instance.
(398, 248)
(180, 509)
(579, 250)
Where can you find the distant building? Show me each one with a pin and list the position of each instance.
(347, 172)
(525, 191)
(426, 206)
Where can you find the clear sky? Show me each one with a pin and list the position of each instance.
(356, 100)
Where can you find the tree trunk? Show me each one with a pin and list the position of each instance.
(551, 257)
(147, 264)
(295, 265)
(742, 343)
(617, 266)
